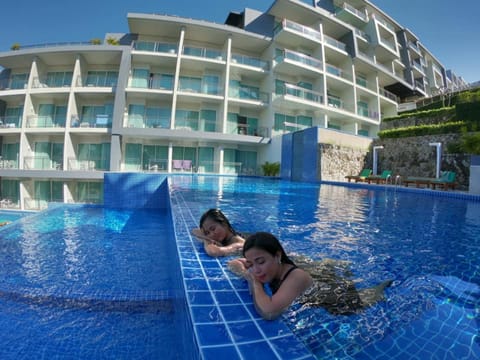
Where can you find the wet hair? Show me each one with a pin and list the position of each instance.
(267, 242)
(217, 216)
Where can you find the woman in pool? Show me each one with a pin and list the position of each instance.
(218, 235)
(317, 284)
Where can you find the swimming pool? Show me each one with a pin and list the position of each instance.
(428, 245)
(74, 284)
(87, 282)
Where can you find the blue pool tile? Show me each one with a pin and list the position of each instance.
(212, 264)
(219, 284)
(206, 314)
(288, 347)
(227, 297)
(244, 331)
(196, 284)
(274, 328)
(200, 297)
(257, 350)
(214, 272)
(212, 334)
(220, 352)
(234, 312)
(192, 273)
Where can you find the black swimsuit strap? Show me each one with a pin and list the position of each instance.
(275, 285)
(288, 273)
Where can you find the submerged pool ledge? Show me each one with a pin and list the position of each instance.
(400, 188)
(225, 322)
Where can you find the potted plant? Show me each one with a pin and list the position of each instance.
(15, 46)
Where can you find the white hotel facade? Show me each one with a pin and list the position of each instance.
(183, 95)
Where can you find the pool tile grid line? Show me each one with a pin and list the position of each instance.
(224, 318)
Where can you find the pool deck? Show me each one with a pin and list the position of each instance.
(225, 322)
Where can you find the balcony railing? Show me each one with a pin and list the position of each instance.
(361, 14)
(338, 72)
(335, 43)
(45, 121)
(7, 203)
(42, 163)
(299, 58)
(205, 90)
(301, 93)
(97, 121)
(247, 93)
(12, 84)
(249, 61)
(368, 113)
(10, 121)
(303, 30)
(388, 94)
(167, 48)
(45, 82)
(87, 165)
(202, 52)
(96, 81)
(134, 121)
(363, 35)
(8, 164)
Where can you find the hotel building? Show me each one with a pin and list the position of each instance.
(179, 95)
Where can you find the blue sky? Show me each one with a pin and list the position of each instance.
(451, 34)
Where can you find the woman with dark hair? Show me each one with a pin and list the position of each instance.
(315, 284)
(218, 235)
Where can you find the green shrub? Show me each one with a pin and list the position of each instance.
(271, 169)
(422, 130)
(471, 143)
(422, 114)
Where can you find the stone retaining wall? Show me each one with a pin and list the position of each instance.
(411, 156)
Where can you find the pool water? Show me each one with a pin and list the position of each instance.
(428, 245)
(84, 282)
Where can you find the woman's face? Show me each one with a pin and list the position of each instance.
(261, 264)
(214, 230)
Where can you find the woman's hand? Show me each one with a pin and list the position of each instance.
(198, 233)
(238, 267)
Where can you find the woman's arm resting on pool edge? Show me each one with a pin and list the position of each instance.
(213, 249)
(198, 233)
(271, 307)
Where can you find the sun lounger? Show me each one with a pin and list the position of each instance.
(383, 178)
(418, 181)
(360, 177)
(445, 182)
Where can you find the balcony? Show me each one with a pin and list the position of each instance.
(333, 70)
(152, 46)
(248, 93)
(293, 33)
(351, 15)
(42, 163)
(295, 97)
(8, 164)
(335, 43)
(95, 121)
(202, 52)
(88, 165)
(249, 61)
(288, 62)
(45, 122)
(389, 95)
(10, 122)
